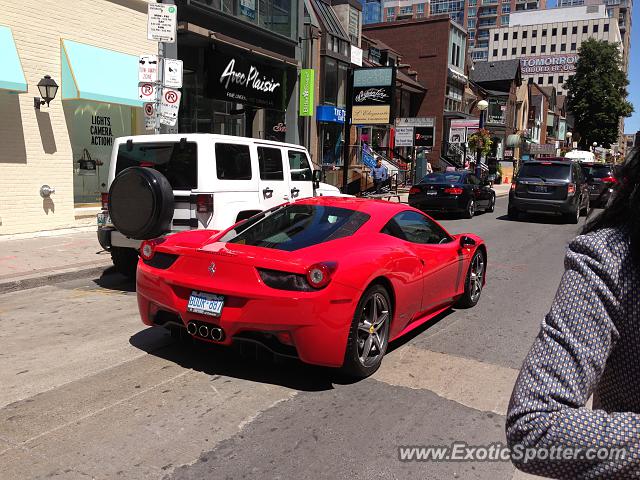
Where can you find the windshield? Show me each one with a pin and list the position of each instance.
(178, 161)
(294, 227)
(442, 178)
(551, 171)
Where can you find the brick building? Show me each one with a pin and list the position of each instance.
(439, 63)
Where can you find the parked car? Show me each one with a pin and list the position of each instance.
(159, 184)
(552, 185)
(459, 191)
(328, 280)
(601, 179)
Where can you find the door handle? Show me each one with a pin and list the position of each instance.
(422, 261)
(267, 192)
(295, 192)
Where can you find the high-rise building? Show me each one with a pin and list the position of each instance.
(480, 16)
(620, 9)
(393, 10)
(371, 11)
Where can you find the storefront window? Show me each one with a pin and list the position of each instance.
(331, 143)
(277, 16)
(92, 129)
(330, 83)
(342, 84)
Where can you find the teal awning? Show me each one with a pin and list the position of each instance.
(98, 74)
(11, 74)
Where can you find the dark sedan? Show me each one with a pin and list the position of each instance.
(459, 192)
(601, 179)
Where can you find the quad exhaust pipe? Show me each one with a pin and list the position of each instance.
(203, 331)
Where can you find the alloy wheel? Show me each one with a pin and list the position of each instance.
(372, 330)
(471, 209)
(476, 277)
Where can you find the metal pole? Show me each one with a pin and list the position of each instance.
(478, 154)
(347, 133)
(159, 82)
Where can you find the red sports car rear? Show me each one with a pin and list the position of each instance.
(329, 280)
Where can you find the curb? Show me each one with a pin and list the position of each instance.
(52, 278)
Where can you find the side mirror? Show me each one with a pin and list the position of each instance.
(317, 178)
(467, 242)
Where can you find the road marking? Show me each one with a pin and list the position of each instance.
(478, 385)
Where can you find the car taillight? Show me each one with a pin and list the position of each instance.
(513, 186)
(284, 280)
(610, 180)
(148, 248)
(204, 203)
(104, 198)
(453, 191)
(319, 275)
(571, 188)
(414, 190)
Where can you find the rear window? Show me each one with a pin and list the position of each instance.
(178, 161)
(598, 171)
(552, 171)
(294, 227)
(442, 178)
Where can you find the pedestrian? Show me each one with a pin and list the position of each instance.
(429, 167)
(589, 343)
(379, 174)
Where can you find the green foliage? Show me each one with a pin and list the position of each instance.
(480, 141)
(597, 93)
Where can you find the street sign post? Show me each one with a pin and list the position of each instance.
(161, 22)
(172, 73)
(148, 68)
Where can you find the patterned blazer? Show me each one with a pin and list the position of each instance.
(589, 343)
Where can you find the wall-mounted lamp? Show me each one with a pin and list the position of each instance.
(48, 89)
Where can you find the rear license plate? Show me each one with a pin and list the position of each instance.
(205, 303)
(103, 219)
(432, 192)
(540, 188)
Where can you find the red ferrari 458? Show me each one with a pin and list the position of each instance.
(329, 280)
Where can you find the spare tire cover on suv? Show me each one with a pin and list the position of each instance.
(141, 203)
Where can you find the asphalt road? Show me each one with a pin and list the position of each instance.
(88, 392)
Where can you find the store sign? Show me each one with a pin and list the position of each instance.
(148, 68)
(457, 135)
(549, 64)
(356, 55)
(415, 122)
(243, 78)
(373, 90)
(540, 149)
(403, 137)
(172, 73)
(161, 22)
(100, 129)
(497, 111)
(329, 114)
(307, 76)
(424, 136)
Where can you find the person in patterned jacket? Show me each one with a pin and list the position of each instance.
(589, 344)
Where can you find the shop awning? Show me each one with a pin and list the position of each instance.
(11, 74)
(98, 74)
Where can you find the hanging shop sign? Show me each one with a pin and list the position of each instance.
(307, 76)
(497, 111)
(330, 114)
(161, 22)
(549, 64)
(468, 125)
(404, 137)
(373, 91)
(356, 55)
(236, 76)
(424, 136)
(457, 135)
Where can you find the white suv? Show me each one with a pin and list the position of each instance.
(159, 184)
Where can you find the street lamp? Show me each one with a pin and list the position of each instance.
(482, 106)
(569, 135)
(48, 89)
(595, 144)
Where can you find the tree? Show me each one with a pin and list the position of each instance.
(597, 93)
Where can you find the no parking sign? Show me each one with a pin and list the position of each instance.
(169, 106)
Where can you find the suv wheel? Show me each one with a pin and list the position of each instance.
(585, 210)
(492, 204)
(125, 261)
(574, 217)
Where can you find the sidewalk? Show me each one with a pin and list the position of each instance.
(33, 262)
